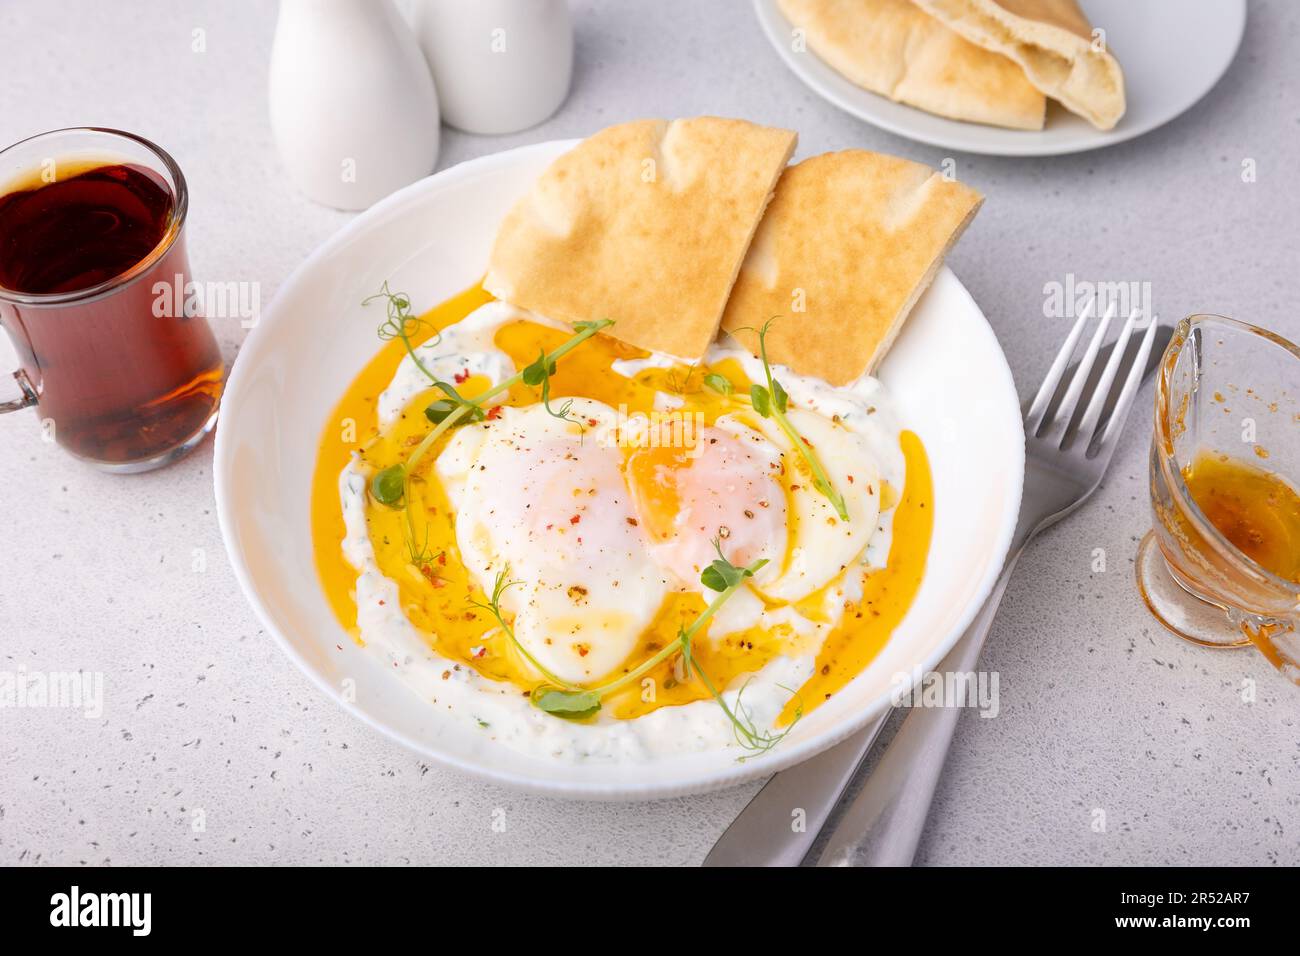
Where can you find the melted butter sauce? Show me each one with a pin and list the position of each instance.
(886, 594)
(437, 596)
(1257, 510)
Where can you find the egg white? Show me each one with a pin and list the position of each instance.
(536, 494)
(824, 545)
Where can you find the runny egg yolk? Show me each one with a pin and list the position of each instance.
(724, 489)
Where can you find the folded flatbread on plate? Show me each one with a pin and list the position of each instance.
(848, 245)
(645, 223)
(1052, 40)
(893, 48)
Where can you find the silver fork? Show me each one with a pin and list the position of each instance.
(1063, 467)
(882, 825)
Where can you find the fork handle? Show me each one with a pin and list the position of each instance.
(883, 824)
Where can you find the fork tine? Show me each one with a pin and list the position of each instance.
(1125, 401)
(1092, 414)
(1056, 428)
(1034, 417)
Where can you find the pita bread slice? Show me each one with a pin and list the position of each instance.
(1052, 41)
(853, 238)
(892, 48)
(645, 223)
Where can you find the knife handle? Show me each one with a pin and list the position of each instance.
(783, 820)
(883, 824)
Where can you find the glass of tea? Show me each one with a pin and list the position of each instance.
(125, 372)
(1221, 565)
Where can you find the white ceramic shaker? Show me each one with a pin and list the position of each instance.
(354, 111)
(501, 65)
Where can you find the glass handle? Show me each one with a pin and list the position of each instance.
(1283, 640)
(1278, 639)
(1287, 644)
(26, 394)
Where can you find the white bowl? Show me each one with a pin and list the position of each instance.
(947, 374)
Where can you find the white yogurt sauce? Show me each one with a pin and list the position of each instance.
(499, 709)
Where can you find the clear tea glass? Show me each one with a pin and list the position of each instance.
(92, 226)
(1221, 565)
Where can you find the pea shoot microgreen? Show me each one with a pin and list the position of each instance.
(392, 485)
(567, 704)
(747, 734)
(458, 415)
(771, 401)
(440, 408)
(719, 383)
(389, 486)
(569, 701)
(400, 323)
(493, 607)
(722, 575)
(539, 374)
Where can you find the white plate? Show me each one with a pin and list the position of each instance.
(1172, 53)
(949, 379)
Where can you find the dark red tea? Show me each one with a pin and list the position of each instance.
(79, 232)
(121, 379)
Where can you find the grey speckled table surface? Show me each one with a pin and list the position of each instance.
(213, 748)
